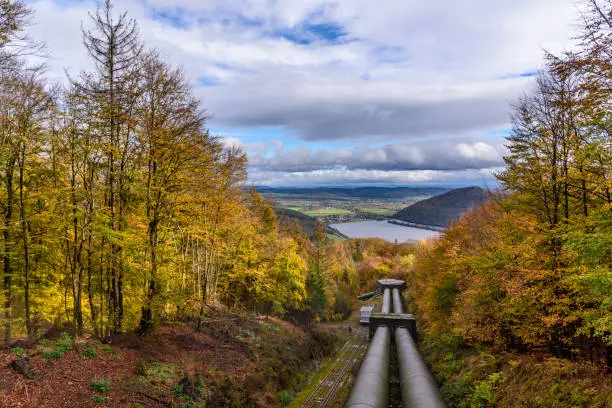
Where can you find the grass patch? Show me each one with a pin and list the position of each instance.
(61, 346)
(100, 385)
(159, 372)
(98, 399)
(89, 352)
(326, 365)
(18, 351)
(379, 211)
(64, 343)
(323, 212)
(52, 355)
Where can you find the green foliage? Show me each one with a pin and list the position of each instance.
(270, 327)
(445, 294)
(141, 368)
(52, 354)
(98, 399)
(64, 343)
(89, 352)
(285, 398)
(100, 385)
(316, 291)
(484, 392)
(177, 389)
(162, 371)
(61, 346)
(18, 351)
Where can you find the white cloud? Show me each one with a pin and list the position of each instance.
(440, 155)
(408, 70)
(343, 177)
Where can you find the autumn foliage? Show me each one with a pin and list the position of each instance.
(119, 209)
(532, 268)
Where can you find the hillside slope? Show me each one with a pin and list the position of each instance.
(444, 208)
(348, 193)
(306, 221)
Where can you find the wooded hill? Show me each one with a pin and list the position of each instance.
(443, 209)
(307, 223)
(350, 193)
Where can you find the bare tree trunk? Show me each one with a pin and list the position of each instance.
(8, 247)
(24, 236)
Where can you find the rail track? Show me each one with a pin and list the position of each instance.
(351, 353)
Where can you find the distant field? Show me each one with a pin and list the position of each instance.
(323, 212)
(380, 211)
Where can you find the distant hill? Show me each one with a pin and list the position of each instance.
(307, 222)
(442, 209)
(350, 193)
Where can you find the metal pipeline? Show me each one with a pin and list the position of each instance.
(419, 390)
(418, 386)
(371, 388)
(368, 295)
(397, 302)
(386, 303)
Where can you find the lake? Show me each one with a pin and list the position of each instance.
(384, 230)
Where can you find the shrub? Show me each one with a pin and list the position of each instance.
(177, 389)
(98, 398)
(18, 351)
(64, 343)
(161, 371)
(109, 350)
(285, 398)
(100, 385)
(52, 354)
(141, 368)
(89, 352)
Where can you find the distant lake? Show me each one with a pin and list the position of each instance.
(384, 230)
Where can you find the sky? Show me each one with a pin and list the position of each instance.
(343, 92)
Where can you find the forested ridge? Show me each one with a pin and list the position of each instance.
(443, 209)
(515, 299)
(531, 267)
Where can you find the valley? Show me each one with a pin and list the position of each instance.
(340, 205)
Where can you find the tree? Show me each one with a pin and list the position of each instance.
(114, 46)
(170, 135)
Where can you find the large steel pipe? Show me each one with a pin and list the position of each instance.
(386, 303)
(371, 388)
(367, 295)
(397, 302)
(419, 390)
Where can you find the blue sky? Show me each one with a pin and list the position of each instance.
(344, 92)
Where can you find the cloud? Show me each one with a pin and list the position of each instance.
(328, 108)
(341, 177)
(440, 156)
(336, 75)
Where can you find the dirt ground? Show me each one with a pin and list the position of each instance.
(170, 353)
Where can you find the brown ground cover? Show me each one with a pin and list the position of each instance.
(232, 362)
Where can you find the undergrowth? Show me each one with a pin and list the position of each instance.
(480, 377)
